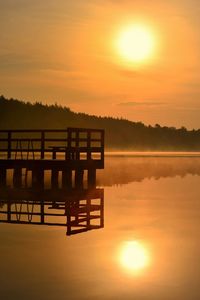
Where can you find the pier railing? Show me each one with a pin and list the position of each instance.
(67, 144)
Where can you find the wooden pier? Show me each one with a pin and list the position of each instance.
(71, 155)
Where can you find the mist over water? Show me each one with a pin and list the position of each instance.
(121, 169)
(148, 249)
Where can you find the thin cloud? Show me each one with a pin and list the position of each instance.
(137, 103)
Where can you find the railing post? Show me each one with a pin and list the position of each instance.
(69, 144)
(42, 144)
(102, 146)
(77, 146)
(9, 145)
(88, 145)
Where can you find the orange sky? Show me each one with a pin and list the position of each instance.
(64, 52)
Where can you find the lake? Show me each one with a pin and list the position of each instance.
(148, 248)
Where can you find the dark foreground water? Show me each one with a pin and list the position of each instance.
(148, 249)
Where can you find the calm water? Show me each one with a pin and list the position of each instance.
(148, 249)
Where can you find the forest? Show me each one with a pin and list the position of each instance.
(120, 134)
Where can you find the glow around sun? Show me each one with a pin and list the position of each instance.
(135, 44)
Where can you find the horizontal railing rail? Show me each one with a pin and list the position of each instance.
(74, 129)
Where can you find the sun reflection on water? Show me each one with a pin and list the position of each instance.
(134, 257)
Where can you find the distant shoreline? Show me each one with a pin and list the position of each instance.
(187, 154)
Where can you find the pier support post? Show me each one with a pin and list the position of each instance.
(2, 177)
(67, 179)
(102, 209)
(38, 178)
(54, 179)
(79, 178)
(88, 208)
(91, 178)
(67, 212)
(9, 211)
(42, 212)
(17, 177)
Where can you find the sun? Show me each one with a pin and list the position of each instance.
(134, 257)
(135, 43)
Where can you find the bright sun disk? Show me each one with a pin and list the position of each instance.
(135, 43)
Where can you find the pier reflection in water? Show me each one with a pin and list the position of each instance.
(77, 210)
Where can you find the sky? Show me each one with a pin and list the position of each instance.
(66, 52)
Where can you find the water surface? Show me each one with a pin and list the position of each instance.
(148, 249)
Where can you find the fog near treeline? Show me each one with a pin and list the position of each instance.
(121, 134)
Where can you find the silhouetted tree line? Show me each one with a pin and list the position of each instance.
(121, 134)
